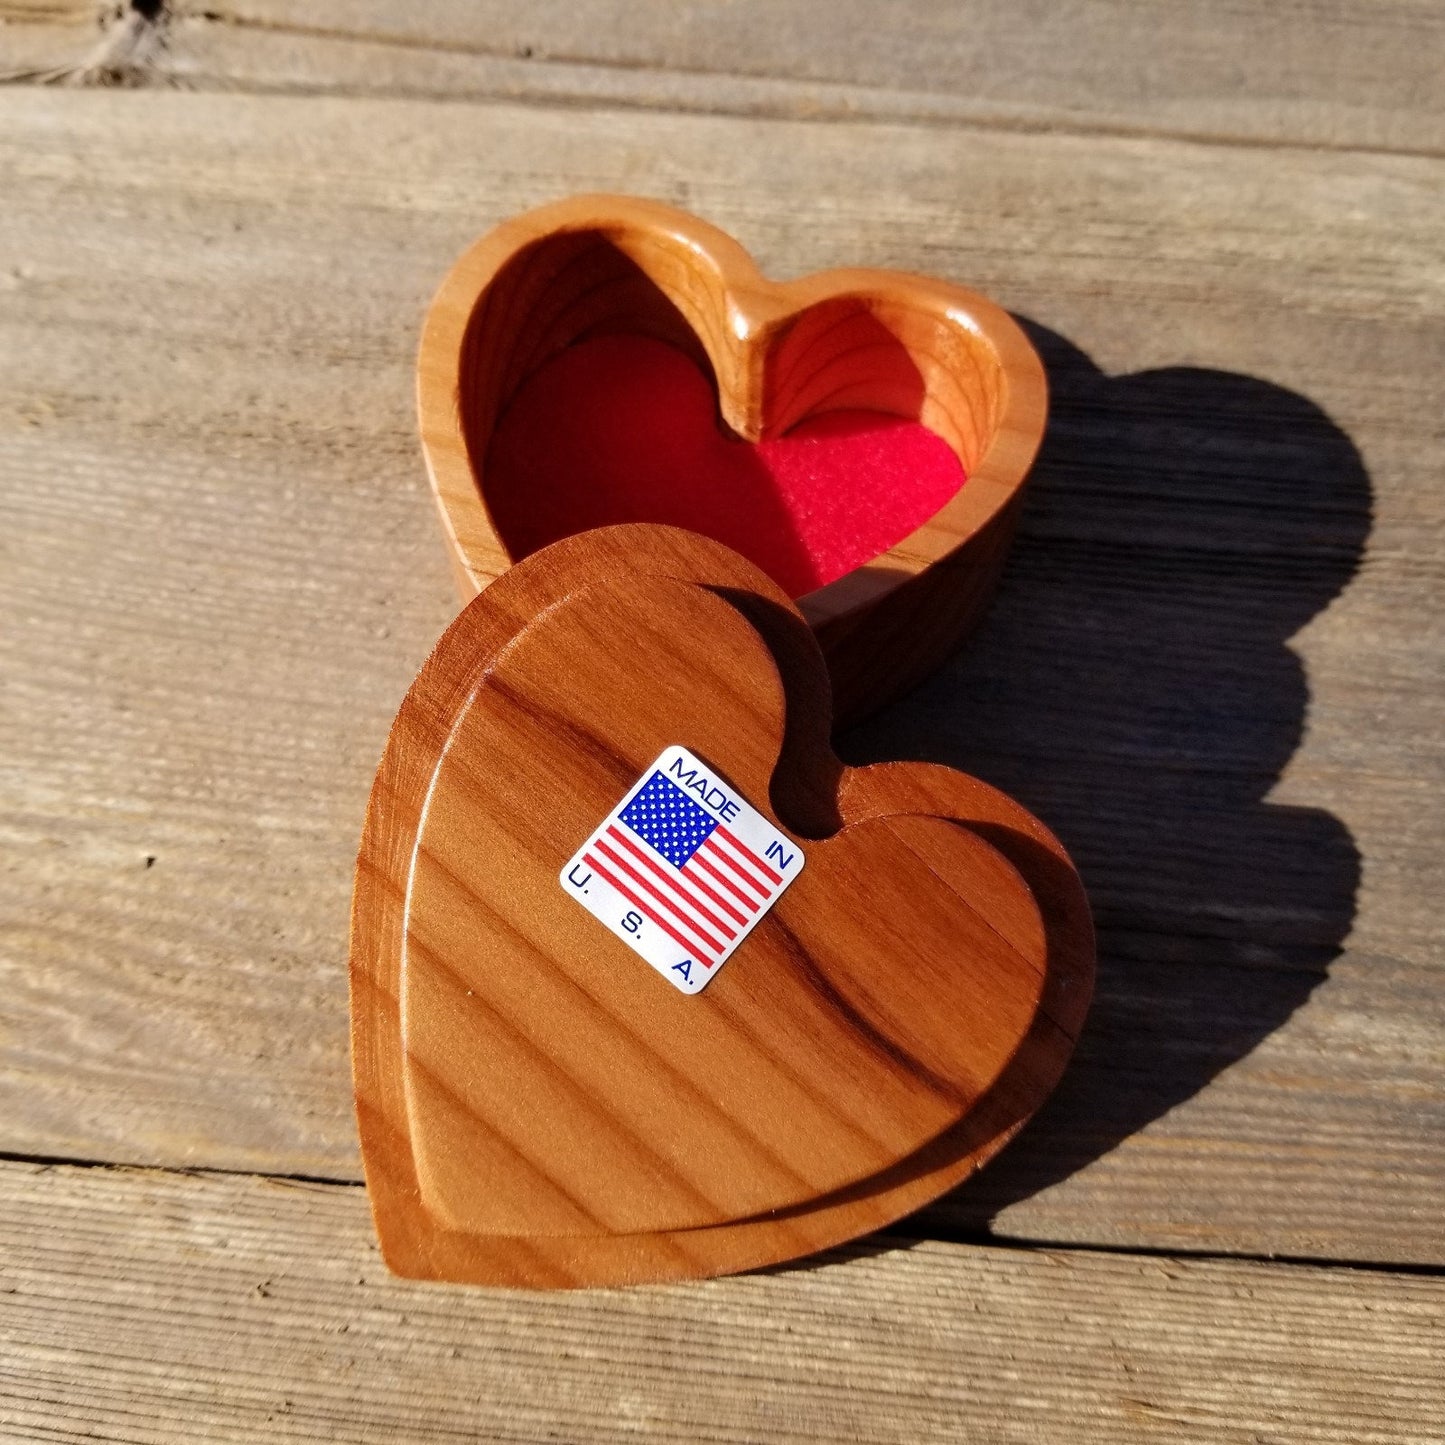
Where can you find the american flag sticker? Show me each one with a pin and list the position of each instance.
(682, 869)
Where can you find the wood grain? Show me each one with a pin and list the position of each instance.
(1296, 73)
(779, 354)
(164, 1307)
(1211, 666)
(859, 1059)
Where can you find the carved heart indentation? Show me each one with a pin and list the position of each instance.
(539, 1105)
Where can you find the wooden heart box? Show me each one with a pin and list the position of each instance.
(646, 984)
(862, 435)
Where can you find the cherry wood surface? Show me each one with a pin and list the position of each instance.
(536, 1106)
(780, 354)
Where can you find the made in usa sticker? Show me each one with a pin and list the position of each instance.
(682, 869)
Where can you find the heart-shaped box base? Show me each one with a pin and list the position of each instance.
(890, 568)
(538, 1106)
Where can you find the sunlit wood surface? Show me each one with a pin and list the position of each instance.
(1215, 668)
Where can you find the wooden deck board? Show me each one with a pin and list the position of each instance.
(1214, 665)
(1299, 73)
(154, 1307)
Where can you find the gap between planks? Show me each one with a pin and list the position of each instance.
(922, 1227)
(155, 1307)
(1316, 94)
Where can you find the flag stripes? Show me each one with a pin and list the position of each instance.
(750, 857)
(681, 901)
(660, 871)
(682, 870)
(651, 913)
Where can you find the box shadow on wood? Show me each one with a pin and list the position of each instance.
(1134, 685)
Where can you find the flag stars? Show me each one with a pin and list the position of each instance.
(668, 821)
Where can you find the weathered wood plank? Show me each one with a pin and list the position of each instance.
(1214, 666)
(1301, 73)
(158, 1307)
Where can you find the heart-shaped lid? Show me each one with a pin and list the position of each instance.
(644, 982)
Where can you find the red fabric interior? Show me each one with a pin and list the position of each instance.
(625, 429)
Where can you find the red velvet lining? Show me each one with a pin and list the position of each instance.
(625, 429)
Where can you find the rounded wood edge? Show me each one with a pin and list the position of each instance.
(411, 1243)
(395, 805)
(993, 485)
(414, 1249)
(477, 552)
